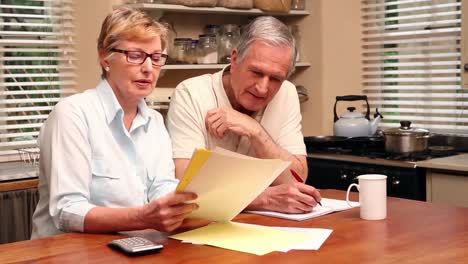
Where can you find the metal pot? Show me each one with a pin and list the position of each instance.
(406, 139)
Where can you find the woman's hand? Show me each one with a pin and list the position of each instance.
(167, 213)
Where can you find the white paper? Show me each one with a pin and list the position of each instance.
(320, 235)
(328, 206)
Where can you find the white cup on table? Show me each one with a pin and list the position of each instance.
(372, 196)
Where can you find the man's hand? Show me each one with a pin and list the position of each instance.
(168, 212)
(293, 198)
(221, 120)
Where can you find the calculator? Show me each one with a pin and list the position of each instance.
(135, 246)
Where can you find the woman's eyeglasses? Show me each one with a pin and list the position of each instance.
(139, 57)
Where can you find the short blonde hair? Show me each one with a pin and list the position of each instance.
(128, 24)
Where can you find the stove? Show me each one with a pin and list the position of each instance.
(374, 148)
(336, 164)
(382, 154)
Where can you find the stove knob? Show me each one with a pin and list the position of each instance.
(344, 176)
(396, 182)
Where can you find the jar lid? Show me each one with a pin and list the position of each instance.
(406, 129)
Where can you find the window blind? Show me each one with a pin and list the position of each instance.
(411, 63)
(36, 67)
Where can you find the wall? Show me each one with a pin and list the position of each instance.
(330, 42)
(333, 46)
(89, 16)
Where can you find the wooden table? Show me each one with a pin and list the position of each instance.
(414, 232)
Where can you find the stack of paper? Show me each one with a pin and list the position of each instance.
(226, 183)
(256, 239)
(328, 206)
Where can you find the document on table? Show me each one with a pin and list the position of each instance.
(328, 206)
(227, 182)
(255, 239)
(318, 236)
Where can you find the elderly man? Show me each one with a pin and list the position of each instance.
(250, 108)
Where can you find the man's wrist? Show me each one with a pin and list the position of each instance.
(258, 203)
(258, 135)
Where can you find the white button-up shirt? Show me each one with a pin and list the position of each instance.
(88, 159)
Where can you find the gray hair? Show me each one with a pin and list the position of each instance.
(270, 31)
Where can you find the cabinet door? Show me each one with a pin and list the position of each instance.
(16, 210)
(326, 174)
(447, 188)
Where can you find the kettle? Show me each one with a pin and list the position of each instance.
(355, 124)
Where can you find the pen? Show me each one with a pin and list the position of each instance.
(299, 179)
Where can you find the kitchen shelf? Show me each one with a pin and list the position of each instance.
(210, 66)
(211, 10)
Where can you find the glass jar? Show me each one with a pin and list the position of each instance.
(171, 36)
(207, 50)
(298, 4)
(192, 55)
(211, 29)
(229, 35)
(181, 50)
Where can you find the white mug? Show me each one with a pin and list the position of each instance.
(372, 196)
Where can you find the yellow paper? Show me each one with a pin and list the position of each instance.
(226, 183)
(242, 237)
(198, 159)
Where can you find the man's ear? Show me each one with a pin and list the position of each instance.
(234, 57)
(234, 54)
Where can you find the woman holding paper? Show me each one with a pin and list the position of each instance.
(106, 158)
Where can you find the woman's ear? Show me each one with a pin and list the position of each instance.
(103, 59)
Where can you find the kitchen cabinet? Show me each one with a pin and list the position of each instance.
(449, 187)
(329, 171)
(190, 21)
(18, 200)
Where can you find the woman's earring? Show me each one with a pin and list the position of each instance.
(107, 68)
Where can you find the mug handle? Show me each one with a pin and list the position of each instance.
(347, 193)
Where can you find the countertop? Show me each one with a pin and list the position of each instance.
(10, 171)
(19, 170)
(362, 159)
(452, 163)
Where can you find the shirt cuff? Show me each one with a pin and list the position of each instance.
(164, 187)
(72, 218)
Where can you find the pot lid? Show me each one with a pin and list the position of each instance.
(406, 129)
(351, 114)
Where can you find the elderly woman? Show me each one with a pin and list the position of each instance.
(106, 158)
